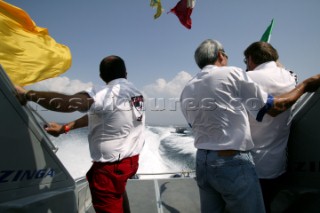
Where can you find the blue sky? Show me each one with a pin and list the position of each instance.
(159, 53)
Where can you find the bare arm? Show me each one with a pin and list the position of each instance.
(56, 101)
(285, 101)
(56, 129)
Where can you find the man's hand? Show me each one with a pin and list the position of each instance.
(312, 83)
(54, 129)
(20, 90)
(21, 94)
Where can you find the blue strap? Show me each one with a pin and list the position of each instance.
(265, 108)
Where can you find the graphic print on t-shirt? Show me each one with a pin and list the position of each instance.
(138, 106)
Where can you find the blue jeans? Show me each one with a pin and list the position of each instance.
(228, 183)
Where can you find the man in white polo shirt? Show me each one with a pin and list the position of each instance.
(116, 122)
(270, 137)
(216, 103)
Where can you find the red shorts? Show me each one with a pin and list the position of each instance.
(108, 181)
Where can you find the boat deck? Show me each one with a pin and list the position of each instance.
(163, 195)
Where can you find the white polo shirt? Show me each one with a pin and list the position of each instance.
(116, 121)
(216, 103)
(271, 135)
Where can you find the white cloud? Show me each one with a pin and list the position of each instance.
(171, 89)
(61, 84)
(162, 97)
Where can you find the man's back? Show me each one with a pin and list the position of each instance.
(214, 104)
(116, 121)
(270, 136)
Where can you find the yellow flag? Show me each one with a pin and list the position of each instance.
(27, 52)
(157, 4)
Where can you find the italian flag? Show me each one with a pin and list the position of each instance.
(267, 34)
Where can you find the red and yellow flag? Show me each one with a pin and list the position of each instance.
(27, 52)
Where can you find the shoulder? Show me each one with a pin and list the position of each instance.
(238, 74)
(93, 91)
(228, 70)
(276, 74)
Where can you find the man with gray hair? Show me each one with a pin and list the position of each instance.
(216, 103)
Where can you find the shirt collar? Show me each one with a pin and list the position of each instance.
(117, 81)
(208, 67)
(266, 65)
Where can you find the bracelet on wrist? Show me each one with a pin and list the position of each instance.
(66, 128)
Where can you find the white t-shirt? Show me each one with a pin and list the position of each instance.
(216, 103)
(116, 121)
(271, 135)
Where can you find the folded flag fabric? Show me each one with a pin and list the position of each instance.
(156, 4)
(27, 52)
(183, 11)
(266, 37)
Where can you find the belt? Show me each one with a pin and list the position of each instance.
(226, 153)
(131, 159)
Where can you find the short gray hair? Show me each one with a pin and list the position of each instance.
(207, 52)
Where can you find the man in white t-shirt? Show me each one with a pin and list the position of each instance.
(270, 136)
(216, 103)
(116, 122)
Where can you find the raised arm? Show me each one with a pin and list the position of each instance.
(285, 101)
(56, 101)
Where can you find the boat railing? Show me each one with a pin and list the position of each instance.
(172, 174)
